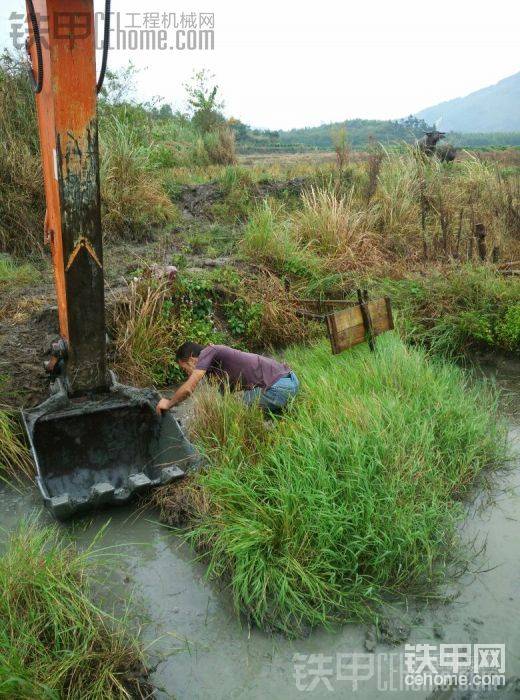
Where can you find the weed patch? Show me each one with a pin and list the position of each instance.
(15, 459)
(54, 642)
(353, 496)
(457, 309)
(153, 321)
(14, 275)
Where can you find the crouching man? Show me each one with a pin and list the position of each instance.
(263, 380)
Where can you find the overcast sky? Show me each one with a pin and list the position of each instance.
(291, 64)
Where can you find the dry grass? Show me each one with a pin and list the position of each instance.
(143, 334)
(22, 205)
(15, 459)
(220, 146)
(401, 210)
(18, 310)
(133, 197)
(336, 229)
(276, 322)
(181, 502)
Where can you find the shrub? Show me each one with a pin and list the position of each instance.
(318, 518)
(153, 321)
(133, 197)
(15, 459)
(508, 329)
(457, 309)
(22, 203)
(54, 642)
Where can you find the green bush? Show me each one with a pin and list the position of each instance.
(157, 318)
(457, 309)
(54, 641)
(353, 496)
(244, 318)
(508, 329)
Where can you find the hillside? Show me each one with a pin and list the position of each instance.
(494, 108)
(360, 131)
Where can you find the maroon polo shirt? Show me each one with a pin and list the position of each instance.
(244, 370)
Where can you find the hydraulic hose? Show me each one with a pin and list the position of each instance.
(106, 43)
(37, 83)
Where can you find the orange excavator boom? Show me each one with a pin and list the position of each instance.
(94, 441)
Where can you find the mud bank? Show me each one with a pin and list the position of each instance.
(201, 650)
(196, 201)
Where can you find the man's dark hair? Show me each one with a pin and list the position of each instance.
(187, 350)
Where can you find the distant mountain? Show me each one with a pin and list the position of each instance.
(492, 109)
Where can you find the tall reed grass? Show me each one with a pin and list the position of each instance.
(54, 641)
(418, 210)
(15, 459)
(22, 205)
(352, 496)
(133, 197)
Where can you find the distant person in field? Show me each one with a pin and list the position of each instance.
(267, 382)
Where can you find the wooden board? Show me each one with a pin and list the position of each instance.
(346, 327)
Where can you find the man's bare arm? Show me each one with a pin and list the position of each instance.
(182, 392)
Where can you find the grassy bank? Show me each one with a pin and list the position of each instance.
(352, 497)
(450, 310)
(54, 642)
(15, 460)
(454, 310)
(251, 312)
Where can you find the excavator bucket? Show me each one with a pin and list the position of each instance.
(94, 452)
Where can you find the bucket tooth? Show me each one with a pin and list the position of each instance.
(61, 506)
(138, 482)
(102, 492)
(170, 474)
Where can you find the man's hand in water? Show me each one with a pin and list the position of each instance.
(163, 405)
(182, 392)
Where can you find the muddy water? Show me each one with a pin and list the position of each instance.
(202, 651)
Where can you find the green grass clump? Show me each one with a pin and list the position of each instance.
(12, 274)
(54, 642)
(352, 496)
(455, 310)
(133, 197)
(15, 459)
(268, 239)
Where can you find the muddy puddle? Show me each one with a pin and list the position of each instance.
(201, 650)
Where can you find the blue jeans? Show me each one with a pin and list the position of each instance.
(274, 399)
